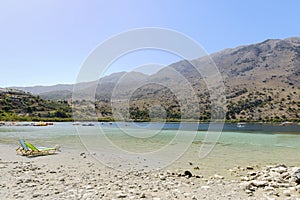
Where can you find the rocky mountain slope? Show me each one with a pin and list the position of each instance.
(262, 84)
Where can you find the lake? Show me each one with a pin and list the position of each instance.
(172, 145)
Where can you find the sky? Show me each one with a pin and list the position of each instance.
(45, 42)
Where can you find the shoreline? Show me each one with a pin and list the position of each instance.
(283, 122)
(235, 169)
(75, 174)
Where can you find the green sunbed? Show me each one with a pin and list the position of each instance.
(28, 149)
(38, 151)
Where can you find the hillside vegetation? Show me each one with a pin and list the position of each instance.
(262, 83)
(22, 106)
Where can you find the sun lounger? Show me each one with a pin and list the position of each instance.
(28, 149)
(39, 151)
(23, 149)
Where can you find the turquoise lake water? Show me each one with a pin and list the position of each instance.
(254, 144)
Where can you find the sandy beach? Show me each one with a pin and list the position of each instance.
(75, 174)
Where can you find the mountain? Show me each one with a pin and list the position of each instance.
(45, 89)
(262, 80)
(19, 105)
(104, 86)
(262, 83)
(269, 62)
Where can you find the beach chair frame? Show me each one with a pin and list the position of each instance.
(40, 151)
(23, 149)
(29, 150)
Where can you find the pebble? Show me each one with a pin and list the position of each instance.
(245, 185)
(245, 178)
(283, 185)
(286, 193)
(259, 183)
(279, 169)
(89, 187)
(205, 187)
(248, 191)
(121, 195)
(218, 176)
(292, 188)
(268, 188)
(188, 174)
(274, 180)
(61, 179)
(85, 183)
(274, 174)
(156, 198)
(143, 195)
(296, 175)
(36, 195)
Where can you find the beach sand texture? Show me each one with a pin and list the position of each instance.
(75, 174)
(241, 166)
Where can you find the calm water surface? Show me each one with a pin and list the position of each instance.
(253, 144)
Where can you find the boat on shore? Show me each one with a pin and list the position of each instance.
(288, 123)
(241, 125)
(41, 124)
(89, 124)
(26, 123)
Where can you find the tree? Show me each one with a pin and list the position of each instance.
(29, 110)
(60, 114)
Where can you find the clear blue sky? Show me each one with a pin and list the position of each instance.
(44, 42)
